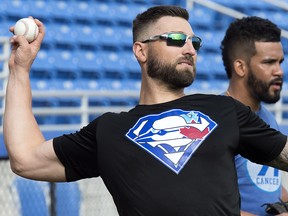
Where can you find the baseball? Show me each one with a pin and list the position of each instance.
(26, 27)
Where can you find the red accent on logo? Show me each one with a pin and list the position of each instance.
(194, 133)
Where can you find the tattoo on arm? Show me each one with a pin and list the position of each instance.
(281, 162)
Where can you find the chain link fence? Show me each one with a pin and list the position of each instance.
(23, 197)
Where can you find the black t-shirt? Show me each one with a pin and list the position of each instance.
(172, 159)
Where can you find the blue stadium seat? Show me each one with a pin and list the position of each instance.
(40, 9)
(4, 29)
(87, 37)
(244, 5)
(211, 40)
(124, 13)
(90, 64)
(64, 36)
(203, 68)
(66, 64)
(43, 102)
(220, 85)
(120, 13)
(49, 39)
(110, 39)
(280, 18)
(98, 101)
(16, 10)
(202, 17)
(216, 66)
(131, 85)
(4, 5)
(113, 65)
(68, 199)
(62, 12)
(103, 14)
(131, 65)
(84, 11)
(126, 37)
(43, 66)
(31, 196)
(41, 84)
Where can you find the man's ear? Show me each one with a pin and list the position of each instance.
(240, 67)
(140, 51)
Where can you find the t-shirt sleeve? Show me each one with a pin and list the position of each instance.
(78, 152)
(258, 141)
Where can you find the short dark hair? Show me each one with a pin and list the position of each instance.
(151, 15)
(241, 36)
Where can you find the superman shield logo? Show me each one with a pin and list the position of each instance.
(173, 136)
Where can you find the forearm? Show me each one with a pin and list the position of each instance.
(284, 195)
(281, 162)
(21, 132)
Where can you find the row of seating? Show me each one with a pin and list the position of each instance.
(109, 65)
(117, 38)
(115, 65)
(82, 12)
(33, 202)
(85, 64)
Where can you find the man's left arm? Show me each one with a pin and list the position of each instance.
(281, 161)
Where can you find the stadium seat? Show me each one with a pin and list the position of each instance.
(61, 12)
(66, 64)
(40, 84)
(211, 40)
(43, 66)
(88, 37)
(216, 66)
(121, 13)
(66, 101)
(49, 39)
(4, 29)
(86, 10)
(3, 9)
(126, 37)
(31, 197)
(104, 16)
(203, 68)
(40, 9)
(113, 65)
(110, 39)
(131, 65)
(13, 6)
(202, 17)
(68, 199)
(64, 36)
(279, 17)
(90, 65)
(244, 5)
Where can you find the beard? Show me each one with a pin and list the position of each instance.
(260, 89)
(176, 79)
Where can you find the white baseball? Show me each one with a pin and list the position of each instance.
(26, 27)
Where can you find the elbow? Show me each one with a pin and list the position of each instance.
(18, 167)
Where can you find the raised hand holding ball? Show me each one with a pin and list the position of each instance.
(26, 27)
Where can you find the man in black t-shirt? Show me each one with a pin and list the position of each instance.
(170, 155)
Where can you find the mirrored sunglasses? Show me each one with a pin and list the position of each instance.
(177, 39)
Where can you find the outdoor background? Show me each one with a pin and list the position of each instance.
(86, 67)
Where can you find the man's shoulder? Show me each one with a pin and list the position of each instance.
(267, 116)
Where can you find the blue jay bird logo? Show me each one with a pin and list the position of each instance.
(173, 136)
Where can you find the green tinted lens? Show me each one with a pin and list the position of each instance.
(196, 41)
(176, 39)
(179, 39)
